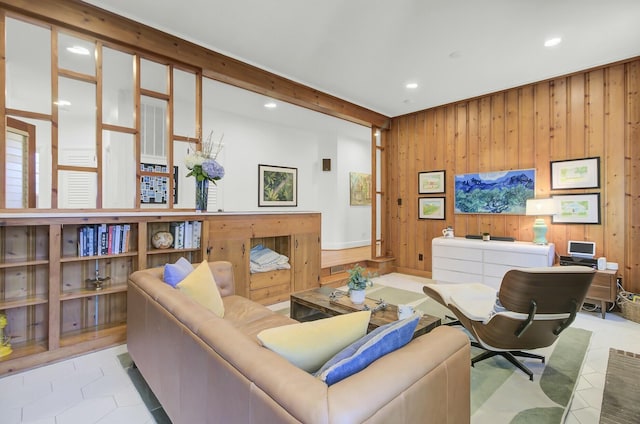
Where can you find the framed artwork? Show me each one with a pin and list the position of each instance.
(431, 182)
(154, 189)
(578, 173)
(360, 189)
(503, 192)
(277, 186)
(431, 208)
(578, 209)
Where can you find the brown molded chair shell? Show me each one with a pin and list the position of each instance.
(537, 304)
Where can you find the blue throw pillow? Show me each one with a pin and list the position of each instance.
(174, 273)
(361, 353)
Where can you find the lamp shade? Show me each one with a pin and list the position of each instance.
(541, 207)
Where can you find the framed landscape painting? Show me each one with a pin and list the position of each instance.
(277, 186)
(578, 173)
(431, 208)
(431, 182)
(578, 209)
(502, 192)
(359, 189)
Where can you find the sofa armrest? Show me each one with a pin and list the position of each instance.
(429, 377)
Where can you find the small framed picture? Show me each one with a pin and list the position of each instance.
(277, 186)
(431, 208)
(578, 209)
(577, 173)
(431, 182)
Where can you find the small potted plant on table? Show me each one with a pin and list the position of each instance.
(358, 282)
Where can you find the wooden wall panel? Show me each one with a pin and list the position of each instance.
(632, 176)
(594, 113)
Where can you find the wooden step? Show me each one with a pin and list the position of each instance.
(338, 275)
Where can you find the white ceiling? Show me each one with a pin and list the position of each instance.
(365, 51)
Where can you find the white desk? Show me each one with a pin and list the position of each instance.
(461, 260)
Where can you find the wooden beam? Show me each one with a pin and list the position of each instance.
(79, 16)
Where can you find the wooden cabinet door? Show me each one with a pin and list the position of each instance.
(235, 251)
(306, 261)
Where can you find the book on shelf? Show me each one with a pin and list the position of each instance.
(104, 239)
(197, 233)
(186, 234)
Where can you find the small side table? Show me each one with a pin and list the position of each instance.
(603, 289)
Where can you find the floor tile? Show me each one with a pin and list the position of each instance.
(89, 411)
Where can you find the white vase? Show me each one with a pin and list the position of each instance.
(357, 296)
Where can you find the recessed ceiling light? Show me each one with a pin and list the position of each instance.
(270, 105)
(550, 42)
(79, 50)
(62, 103)
(412, 85)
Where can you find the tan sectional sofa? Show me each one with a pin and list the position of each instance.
(207, 369)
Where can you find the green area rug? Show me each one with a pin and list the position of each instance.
(500, 393)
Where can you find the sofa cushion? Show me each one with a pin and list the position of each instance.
(308, 345)
(174, 273)
(201, 287)
(361, 353)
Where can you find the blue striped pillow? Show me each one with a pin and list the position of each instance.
(362, 352)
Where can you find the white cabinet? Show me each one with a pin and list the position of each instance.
(461, 260)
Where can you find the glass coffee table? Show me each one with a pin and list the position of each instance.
(318, 303)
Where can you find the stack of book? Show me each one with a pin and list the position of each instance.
(186, 234)
(104, 239)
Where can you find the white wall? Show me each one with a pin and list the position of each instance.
(293, 137)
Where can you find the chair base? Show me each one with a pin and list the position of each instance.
(509, 356)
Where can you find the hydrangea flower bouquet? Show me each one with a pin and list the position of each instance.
(204, 167)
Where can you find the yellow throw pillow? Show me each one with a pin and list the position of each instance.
(309, 345)
(201, 287)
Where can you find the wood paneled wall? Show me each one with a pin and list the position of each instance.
(587, 114)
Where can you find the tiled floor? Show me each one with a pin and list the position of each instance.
(95, 388)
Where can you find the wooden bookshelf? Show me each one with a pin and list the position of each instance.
(47, 285)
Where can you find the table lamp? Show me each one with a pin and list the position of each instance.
(539, 208)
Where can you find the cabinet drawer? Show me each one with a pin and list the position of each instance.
(261, 280)
(496, 270)
(457, 265)
(603, 287)
(515, 259)
(463, 253)
(270, 295)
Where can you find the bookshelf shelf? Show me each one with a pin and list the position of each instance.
(19, 303)
(82, 293)
(166, 251)
(23, 263)
(99, 257)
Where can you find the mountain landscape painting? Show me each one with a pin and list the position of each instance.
(504, 192)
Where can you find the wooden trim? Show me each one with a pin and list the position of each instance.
(99, 120)
(55, 243)
(154, 94)
(3, 127)
(29, 115)
(66, 73)
(118, 128)
(169, 130)
(79, 16)
(137, 124)
(30, 131)
(55, 122)
(77, 168)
